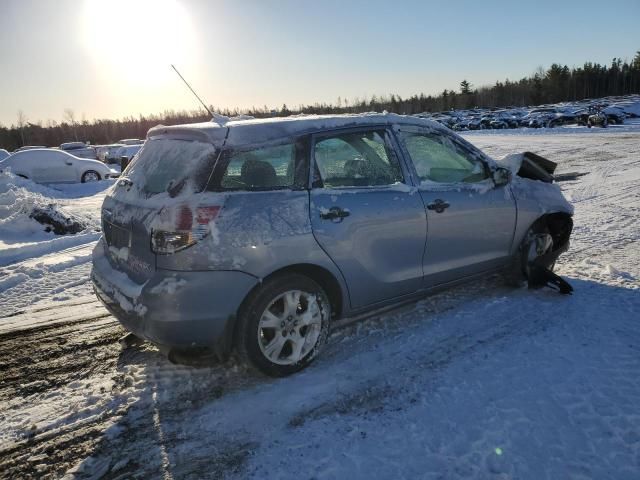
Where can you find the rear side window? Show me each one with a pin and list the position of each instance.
(357, 160)
(261, 168)
(171, 165)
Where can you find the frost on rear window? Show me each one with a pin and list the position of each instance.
(173, 166)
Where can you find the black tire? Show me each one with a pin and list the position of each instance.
(516, 274)
(249, 331)
(86, 176)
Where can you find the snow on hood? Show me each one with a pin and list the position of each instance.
(547, 197)
(512, 162)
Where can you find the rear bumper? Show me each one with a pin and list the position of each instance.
(174, 309)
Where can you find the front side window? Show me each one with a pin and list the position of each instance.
(260, 168)
(359, 159)
(438, 159)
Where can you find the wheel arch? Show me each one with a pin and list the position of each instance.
(318, 274)
(559, 224)
(322, 276)
(90, 170)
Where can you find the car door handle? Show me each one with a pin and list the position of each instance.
(438, 205)
(334, 213)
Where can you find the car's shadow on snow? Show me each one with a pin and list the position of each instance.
(208, 421)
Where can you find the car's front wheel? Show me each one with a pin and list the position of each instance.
(90, 176)
(536, 243)
(284, 325)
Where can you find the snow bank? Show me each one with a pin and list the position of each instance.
(30, 217)
(18, 198)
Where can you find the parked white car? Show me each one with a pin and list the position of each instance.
(49, 165)
(28, 147)
(3, 154)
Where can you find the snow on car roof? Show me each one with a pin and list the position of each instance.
(260, 130)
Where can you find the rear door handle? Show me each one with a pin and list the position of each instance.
(334, 213)
(438, 205)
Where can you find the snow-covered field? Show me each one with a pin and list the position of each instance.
(480, 381)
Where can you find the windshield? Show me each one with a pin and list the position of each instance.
(170, 165)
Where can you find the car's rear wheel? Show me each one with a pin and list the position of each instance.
(284, 325)
(90, 176)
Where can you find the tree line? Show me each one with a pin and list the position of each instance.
(558, 83)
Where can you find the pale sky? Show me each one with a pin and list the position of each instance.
(109, 59)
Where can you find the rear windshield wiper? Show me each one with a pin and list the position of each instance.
(173, 189)
(124, 182)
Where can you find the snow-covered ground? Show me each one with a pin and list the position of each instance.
(38, 266)
(480, 381)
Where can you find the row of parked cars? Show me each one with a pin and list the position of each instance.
(600, 113)
(71, 162)
(111, 153)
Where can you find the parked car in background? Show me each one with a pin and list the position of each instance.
(80, 149)
(613, 111)
(130, 141)
(56, 166)
(128, 151)
(3, 154)
(28, 147)
(597, 118)
(107, 153)
(257, 234)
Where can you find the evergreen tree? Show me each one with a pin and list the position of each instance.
(465, 87)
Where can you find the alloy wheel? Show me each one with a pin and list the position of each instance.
(290, 326)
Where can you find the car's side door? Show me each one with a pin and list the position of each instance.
(66, 167)
(470, 220)
(51, 166)
(364, 214)
(18, 163)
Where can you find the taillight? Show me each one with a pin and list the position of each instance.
(177, 228)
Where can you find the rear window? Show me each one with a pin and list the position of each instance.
(171, 165)
(263, 168)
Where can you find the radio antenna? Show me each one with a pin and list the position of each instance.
(193, 91)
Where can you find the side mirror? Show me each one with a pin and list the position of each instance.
(501, 176)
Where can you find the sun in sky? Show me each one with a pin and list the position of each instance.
(138, 39)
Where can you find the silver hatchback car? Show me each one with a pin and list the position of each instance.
(255, 235)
